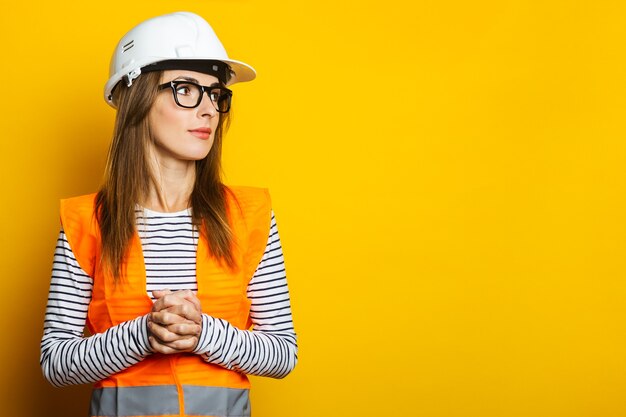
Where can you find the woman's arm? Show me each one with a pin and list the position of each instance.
(270, 349)
(67, 357)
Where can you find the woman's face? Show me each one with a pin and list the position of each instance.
(181, 134)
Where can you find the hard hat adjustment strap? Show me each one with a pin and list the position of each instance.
(132, 76)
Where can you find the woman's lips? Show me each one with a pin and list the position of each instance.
(202, 133)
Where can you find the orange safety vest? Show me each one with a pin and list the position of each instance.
(176, 384)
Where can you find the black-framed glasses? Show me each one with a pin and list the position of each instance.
(189, 95)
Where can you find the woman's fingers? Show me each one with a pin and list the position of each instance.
(171, 332)
(177, 314)
(167, 298)
(185, 311)
(181, 345)
(189, 296)
(175, 338)
(160, 293)
(167, 317)
(168, 330)
(175, 323)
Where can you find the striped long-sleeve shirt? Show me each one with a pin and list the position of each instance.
(169, 246)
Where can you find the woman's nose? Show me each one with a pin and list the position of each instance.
(206, 107)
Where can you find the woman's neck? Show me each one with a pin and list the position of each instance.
(173, 182)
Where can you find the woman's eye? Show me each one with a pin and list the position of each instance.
(184, 90)
(215, 95)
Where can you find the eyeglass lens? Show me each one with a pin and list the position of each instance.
(190, 95)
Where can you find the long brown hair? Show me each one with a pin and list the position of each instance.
(128, 176)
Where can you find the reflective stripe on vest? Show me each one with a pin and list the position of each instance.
(163, 400)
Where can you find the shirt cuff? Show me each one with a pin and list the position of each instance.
(141, 333)
(203, 345)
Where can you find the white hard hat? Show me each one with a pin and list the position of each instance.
(178, 40)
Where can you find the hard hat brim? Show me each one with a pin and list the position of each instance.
(240, 71)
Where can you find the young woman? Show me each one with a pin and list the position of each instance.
(179, 278)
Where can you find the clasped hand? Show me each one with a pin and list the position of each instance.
(175, 322)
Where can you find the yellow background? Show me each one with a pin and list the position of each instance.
(448, 178)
